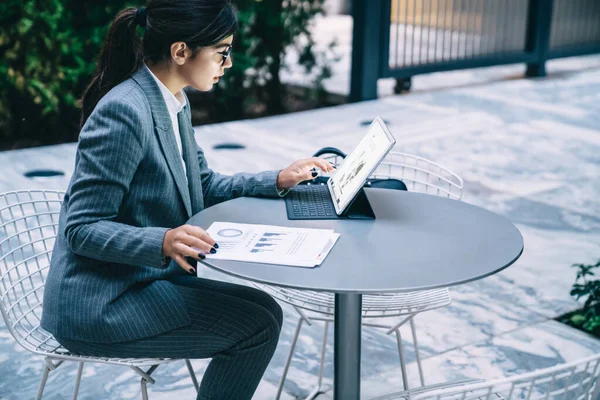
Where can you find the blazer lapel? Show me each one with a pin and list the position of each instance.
(164, 131)
(190, 155)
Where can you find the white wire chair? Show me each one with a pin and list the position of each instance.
(28, 228)
(577, 380)
(419, 175)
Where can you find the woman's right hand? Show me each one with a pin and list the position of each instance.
(185, 241)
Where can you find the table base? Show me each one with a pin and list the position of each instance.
(346, 376)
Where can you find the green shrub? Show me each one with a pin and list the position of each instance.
(39, 68)
(587, 318)
(48, 48)
(268, 29)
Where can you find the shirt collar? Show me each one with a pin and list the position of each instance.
(175, 103)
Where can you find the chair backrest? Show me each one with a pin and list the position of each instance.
(420, 175)
(28, 228)
(417, 173)
(577, 380)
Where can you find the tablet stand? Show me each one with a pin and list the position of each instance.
(359, 208)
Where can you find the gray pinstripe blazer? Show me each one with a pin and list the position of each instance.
(107, 282)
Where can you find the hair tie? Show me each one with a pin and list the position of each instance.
(140, 17)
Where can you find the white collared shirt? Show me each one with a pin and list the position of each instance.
(175, 104)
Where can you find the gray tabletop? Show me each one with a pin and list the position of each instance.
(417, 242)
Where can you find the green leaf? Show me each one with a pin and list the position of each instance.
(24, 26)
(577, 319)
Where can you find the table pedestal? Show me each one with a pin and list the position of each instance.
(346, 365)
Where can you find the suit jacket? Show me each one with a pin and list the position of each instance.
(108, 281)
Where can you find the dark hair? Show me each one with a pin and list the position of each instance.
(198, 23)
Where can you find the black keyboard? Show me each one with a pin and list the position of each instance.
(310, 202)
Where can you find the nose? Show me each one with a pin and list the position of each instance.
(228, 62)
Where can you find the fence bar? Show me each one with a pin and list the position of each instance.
(580, 50)
(404, 52)
(538, 35)
(384, 51)
(366, 46)
(484, 61)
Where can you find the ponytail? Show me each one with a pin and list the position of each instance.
(121, 55)
(198, 23)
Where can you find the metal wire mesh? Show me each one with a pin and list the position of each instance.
(571, 381)
(373, 306)
(29, 223)
(420, 175)
(28, 228)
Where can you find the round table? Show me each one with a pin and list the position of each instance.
(416, 242)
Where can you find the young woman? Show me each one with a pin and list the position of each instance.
(122, 281)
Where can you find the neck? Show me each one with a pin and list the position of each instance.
(167, 76)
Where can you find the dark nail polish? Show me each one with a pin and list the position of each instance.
(314, 174)
(213, 251)
(192, 271)
(202, 256)
(216, 246)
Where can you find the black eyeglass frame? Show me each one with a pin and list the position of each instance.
(226, 54)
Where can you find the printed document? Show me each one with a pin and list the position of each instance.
(301, 247)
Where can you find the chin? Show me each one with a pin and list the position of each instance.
(204, 88)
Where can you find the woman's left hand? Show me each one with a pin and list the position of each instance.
(302, 170)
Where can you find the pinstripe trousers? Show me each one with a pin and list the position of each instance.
(237, 326)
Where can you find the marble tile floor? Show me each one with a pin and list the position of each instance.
(527, 149)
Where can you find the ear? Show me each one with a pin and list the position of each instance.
(180, 52)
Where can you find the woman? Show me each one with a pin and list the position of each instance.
(122, 280)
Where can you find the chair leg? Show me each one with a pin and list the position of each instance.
(596, 392)
(78, 380)
(145, 378)
(43, 383)
(289, 359)
(192, 375)
(401, 354)
(144, 384)
(417, 355)
(317, 390)
(323, 349)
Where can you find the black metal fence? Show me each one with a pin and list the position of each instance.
(402, 38)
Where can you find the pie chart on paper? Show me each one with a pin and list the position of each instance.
(229, 233)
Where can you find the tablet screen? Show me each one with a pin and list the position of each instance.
(349, 178)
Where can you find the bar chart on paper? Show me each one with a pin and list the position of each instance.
(301, 247)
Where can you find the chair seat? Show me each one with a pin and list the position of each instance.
(43, 343)
(459, 396)
(373, 305)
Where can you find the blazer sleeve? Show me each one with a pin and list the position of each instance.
(218, 188)
(109, 152)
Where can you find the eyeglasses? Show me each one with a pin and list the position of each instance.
(225, 55)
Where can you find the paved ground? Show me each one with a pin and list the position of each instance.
(527, 149)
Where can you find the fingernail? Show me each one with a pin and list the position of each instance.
(314, 174)
(202, 256)
(192, 271)
(213, 251)
(216, 246)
